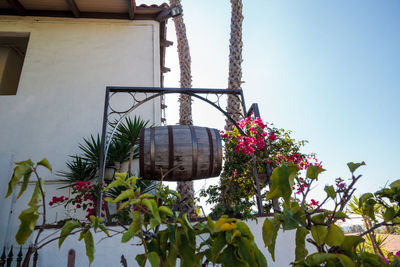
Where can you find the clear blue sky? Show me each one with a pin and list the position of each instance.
(328, 70)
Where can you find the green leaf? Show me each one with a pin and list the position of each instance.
(319, 218)
(172, 255)
(166, 210)
(124, 195)
(95, 222)
(270, 232)
(25, 182)
(261, 260)
(292, 220)
(104, 229)
(186, 248)
(246, 251)
(121, 176)
(36, 195)
(335, 236)
(186, 222)
(114, 183)
(152, 207)
(354, 166)
(45, 163)
(229, 258)
(217, 246)
(282, 181)
(89, 245)
(163, 237)
(245, 230)
(395, 184)
(132, 181)
(68, 227)
(20, 170)
(267, 230)
(313, 171)
(389, 214)
(317, 259)
(134, 227)
(319, 233)
(28, 220)
(330, 190)
(154, 259)
(146, 195)
(364, 197)
(350, 243)
(141, 259)
(301, 251)
(345, 261)
(341, 215)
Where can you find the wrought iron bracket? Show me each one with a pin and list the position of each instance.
(141, 95)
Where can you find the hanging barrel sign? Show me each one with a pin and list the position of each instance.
(191, 152)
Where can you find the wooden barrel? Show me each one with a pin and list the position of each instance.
(191, 152)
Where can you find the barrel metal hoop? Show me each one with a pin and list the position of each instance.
(141, 152)
(210, 141)
(194, 150)
(171, 151)
(152, 152)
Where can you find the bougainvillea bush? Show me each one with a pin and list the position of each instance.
(263, 147)
(317, 223)
(83, 196)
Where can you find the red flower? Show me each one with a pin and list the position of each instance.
(314, 202)
(234, 173)
(341, 185)
(272, 136)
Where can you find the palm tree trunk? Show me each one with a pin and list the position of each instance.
(234, 107)
(185, 189)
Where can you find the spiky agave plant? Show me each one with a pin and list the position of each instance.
(119, 151)
(91, 149)
(129, 131)
(78, 169)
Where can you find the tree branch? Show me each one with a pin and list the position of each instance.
(44, 207)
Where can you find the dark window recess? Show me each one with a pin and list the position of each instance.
(12, 54)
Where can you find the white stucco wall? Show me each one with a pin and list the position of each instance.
(60, 98)
(109, 251)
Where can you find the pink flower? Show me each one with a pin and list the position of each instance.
(314, 202)
(234, 173)
(385, 260)
(272, 136)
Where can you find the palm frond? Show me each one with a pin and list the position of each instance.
(118, 151)
(91, 149)
(78, 169)
(129, 130)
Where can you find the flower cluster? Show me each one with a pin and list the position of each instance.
(85, 195)
(301, 186)
(297, 159)
(56, 200)
(257, 136)
(340, 184)
(314, 202)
